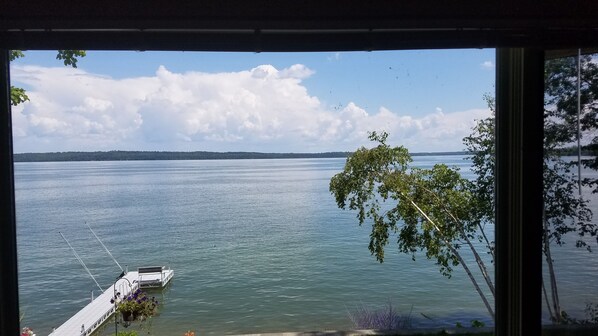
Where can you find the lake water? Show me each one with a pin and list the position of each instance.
(256, 245)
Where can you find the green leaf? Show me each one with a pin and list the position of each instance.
(14, 54)
(69, 57)
(17, 96)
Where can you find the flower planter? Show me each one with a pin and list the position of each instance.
(136, 305)
(128, 316)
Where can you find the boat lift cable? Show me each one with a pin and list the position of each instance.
(105, 248)
(81, 261)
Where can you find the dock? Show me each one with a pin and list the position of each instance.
(92, 316)
(154, 277)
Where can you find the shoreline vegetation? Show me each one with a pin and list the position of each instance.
(196, 155)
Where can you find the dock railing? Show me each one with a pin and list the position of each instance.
(151, 271)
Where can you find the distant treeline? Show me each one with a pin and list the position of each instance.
(589, 150)
(201, 155)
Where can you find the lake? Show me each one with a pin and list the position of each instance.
(256, 246)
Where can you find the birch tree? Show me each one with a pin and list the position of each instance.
(430, 210)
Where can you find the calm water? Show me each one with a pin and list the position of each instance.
(256, 245)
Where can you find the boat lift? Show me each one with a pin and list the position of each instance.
(100, 309)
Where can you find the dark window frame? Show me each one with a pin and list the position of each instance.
(522, 30)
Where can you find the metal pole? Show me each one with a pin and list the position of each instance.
(81, 262)
(579, 120)
(105, 248)
(9, 289)
(116, 303)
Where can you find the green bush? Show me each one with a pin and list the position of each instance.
(127, 333)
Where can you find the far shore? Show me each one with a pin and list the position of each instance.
(197, 155)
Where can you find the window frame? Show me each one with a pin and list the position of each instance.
(519, 29)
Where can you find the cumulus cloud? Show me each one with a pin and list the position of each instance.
(298, 71)
(260, 109)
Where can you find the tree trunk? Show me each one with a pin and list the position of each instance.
(456, 253)
(481, 264)
(473, 280)
(460, 225)
(557, 312)
(546, 298)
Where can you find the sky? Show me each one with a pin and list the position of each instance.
(427, 100)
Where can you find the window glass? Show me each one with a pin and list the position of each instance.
(570, 286)
(225, 167)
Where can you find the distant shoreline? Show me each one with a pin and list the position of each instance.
(197, 155)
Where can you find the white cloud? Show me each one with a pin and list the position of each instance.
(334, 57)
(488, 65)
(261, 109)
(298, 71)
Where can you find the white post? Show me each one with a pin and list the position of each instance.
(579, 120)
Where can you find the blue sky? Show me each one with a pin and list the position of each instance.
(302, 102)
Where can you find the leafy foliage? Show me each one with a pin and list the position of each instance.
(430, 207)
(137, 302)
(14, 54)
(17, 95)
(474, 324)
(561, 97)
(68, 57)
(481, 143)
(431, 210)
(477, 324)
(591, 312)
(127, 333)
(565, 211)
(561, 105)
(365, 171)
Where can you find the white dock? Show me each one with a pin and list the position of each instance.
(154, 277)
(92, 316)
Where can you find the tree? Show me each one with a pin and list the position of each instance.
(561, 101)
(433, 210)
(68, 57)
(438, 211)
(564, 211)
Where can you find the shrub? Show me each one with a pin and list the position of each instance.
(127, 333)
